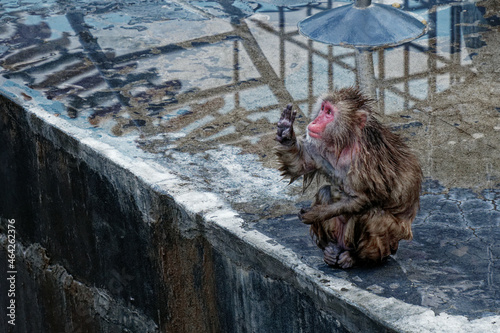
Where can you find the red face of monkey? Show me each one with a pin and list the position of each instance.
(326, 115)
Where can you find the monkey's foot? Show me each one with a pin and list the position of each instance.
(331, 254)
(346, 260)
(334, 256)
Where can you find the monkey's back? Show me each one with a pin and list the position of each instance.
(389, 173)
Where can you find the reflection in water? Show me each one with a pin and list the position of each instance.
(25, 58)
(219, 72)
(193, 76)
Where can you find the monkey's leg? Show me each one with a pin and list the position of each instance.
(379, 237)
(329, 234)
(324, 196)
(338, 251)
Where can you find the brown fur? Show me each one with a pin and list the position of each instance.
(373, 174)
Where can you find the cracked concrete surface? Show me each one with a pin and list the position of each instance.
(194, 89)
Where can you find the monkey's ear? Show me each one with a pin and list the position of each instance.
(362, 117)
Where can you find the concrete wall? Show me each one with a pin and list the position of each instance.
(99, 250)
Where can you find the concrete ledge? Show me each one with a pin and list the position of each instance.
(107, 242)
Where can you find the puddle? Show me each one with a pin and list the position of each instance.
(192, 75)
(191, 81)
(133, 67)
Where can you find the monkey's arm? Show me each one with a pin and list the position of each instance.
(295, 160)
(294, 157)
(346, 205)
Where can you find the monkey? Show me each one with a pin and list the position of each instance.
(373, 179)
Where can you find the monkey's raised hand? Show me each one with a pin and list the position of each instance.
(285, 134)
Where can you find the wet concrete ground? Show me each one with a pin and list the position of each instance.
(197, 88)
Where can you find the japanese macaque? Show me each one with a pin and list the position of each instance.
(374, 179)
